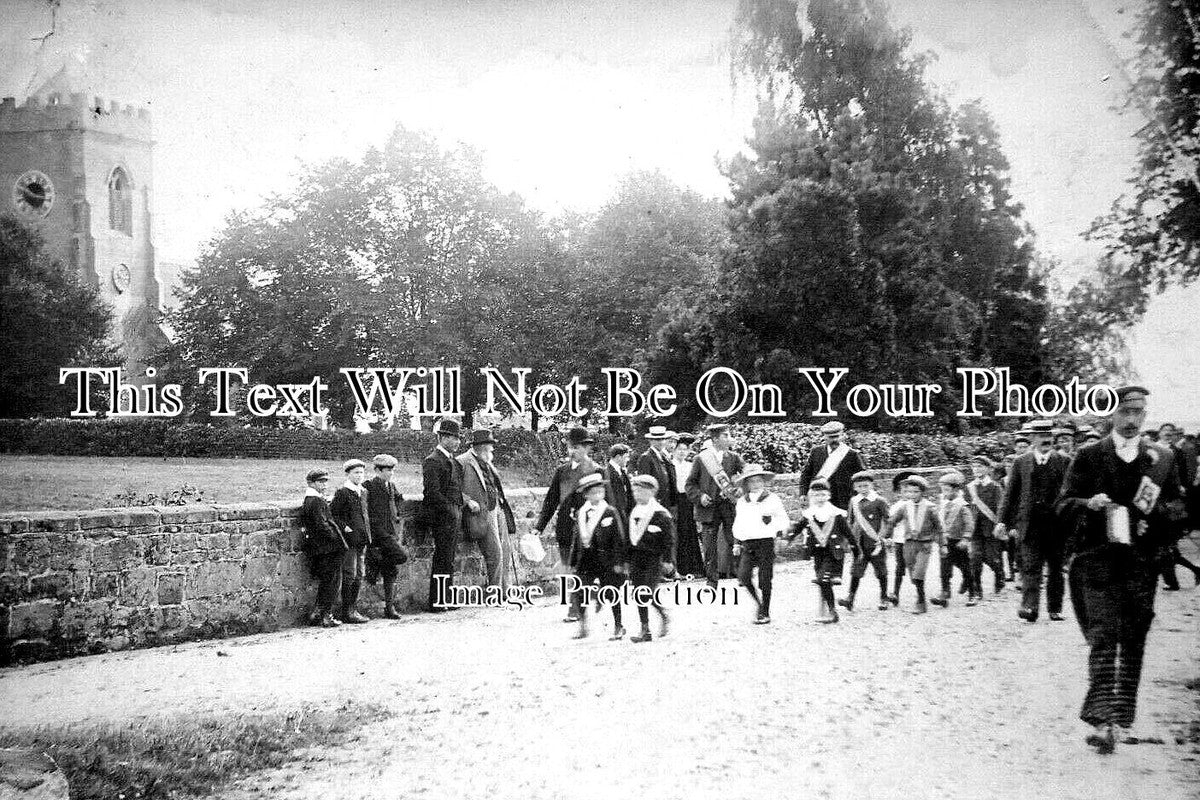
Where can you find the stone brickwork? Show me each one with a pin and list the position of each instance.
(90, 581)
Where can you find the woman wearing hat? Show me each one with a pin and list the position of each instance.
(759, 518)
(651, 532)
(688, 558)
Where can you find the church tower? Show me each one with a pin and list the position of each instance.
(78, 169)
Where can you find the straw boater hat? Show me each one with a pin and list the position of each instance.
(953, 478)
(646, 481)
(752, 470)
(659, 432)
(590, 480)
(862, 475)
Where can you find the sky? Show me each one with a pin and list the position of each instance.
(564, 96)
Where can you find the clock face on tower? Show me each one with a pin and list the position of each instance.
(33, 194)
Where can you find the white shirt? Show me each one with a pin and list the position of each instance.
(1127, 449)
(748, 521)
(1040, 457)
(589, 518)
(682, 470)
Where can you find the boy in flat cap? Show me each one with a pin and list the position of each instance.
(322, 541)
(385, 555)
(1028, 507)
(826, 538)
(958, 525)
(923, 529)
(868, 514)
(599, 548)
(1120, 499)
(349, 509)
(760, 519)
(651, 532)
(714, 494)
(835, 462)
(562, 501)
(989, 536)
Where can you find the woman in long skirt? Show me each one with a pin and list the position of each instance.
(688, 559)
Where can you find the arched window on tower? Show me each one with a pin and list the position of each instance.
(120, 202)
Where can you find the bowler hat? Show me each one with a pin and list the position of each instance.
(482, 436)
(578, 436)
(448, 427)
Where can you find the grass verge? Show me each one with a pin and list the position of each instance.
(187, 756)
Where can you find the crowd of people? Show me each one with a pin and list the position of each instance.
(1099, 511)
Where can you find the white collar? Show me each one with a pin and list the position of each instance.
(603, 504)
(447, 453)
(822, 513)
(870, 497)
(356, 488)
(1041, 458)
(620, 470)
(311, 492)
(1120, 442)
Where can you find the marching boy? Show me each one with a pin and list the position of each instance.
(323, 543)
(827, 535)
(868, 512)
(651, 534)
(758, 519)
(958, 525)
(598, 547)
(895, 530)
(989, 537)
(922, 528)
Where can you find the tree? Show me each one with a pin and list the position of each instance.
(406, 257)
(48, 320)
(1153, 231)
(873, 227)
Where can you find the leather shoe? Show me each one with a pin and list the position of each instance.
(1028, 615)
(355, 618)
(940, 602)
(846, 603)
(1057, 617)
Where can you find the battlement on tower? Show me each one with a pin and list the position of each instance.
(75, 111)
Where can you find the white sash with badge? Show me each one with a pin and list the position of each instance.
(833, 461)
(711, 460)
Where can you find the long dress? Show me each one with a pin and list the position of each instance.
(688, 557)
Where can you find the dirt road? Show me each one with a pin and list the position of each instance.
(964, 702)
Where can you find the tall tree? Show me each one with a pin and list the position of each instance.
(1153, 231)
(48, 320)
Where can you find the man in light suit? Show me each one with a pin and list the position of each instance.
(1028, 507)
(487, 518)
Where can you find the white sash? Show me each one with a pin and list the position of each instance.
(833, 461)
(639, 524)
(711, 460)
(822, 532)
(861, 521)
(977, 501)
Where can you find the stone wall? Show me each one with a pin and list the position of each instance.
(90, 581)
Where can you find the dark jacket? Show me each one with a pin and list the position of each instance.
(349, 509)
(654, 546)
(652, 463)
(383, 510)
(1097, 469)
(841, 489)
(562, 500)
(619, 492)
(1017, 509)
(442, 487)
(992, 496)
(607, 549)
(700, 482)
(874, 512)
(320, 534)
(477, 475)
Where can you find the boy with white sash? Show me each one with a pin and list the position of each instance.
(760, 518)
(826, 538)
(651, 534)
(989, 537)
(598, 547)
(868, 512)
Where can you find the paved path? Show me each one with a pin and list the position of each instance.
(959, 703)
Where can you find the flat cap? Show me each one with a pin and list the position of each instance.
(317, 475)
(818, 485)
(1041, 426)
(984, 460)
(862, 475)
(1132, 393)
(833, 427)
(1021, 437)
(915, 480)
(384, 460)
(952, 478)
(716, 429)
(353, 463)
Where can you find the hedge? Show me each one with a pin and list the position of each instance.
(780, 446)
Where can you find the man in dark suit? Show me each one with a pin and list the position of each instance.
(349, 509)
(562, 501)
(656, 462)
(713, 494)
(1028, 507)
(616, 473)
(1169, 436)
(442, 505)
(385, 555)
(487, 518)
(1120, 499)
(836, 462)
